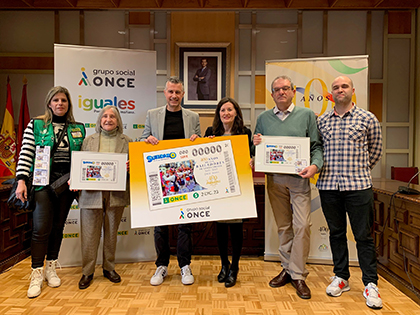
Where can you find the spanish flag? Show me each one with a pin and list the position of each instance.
(8, 139)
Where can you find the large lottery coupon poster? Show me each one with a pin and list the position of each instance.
(180, 181)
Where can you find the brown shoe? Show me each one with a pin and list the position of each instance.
(302, 289)
(280, 280)
(85, 281)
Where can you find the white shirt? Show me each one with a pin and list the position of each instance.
(282, 115)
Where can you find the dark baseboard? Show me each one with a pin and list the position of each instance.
(401, 284)
(11, 261)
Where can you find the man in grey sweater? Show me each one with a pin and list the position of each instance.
(290, 195)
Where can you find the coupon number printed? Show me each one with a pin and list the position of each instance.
(189, 174)
(281, 154)
(99, 171)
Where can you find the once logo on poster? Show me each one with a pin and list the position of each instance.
(175, 199)
(196, 212)
(107, 78)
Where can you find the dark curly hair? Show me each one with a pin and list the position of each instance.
(238, 127)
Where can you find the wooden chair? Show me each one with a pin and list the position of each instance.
(404, 174)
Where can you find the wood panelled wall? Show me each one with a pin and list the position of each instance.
(15, 232)
(204, 27)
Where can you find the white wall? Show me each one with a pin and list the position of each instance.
(38, 86)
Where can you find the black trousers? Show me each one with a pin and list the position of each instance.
(184, 245)
(49, 217)
(237, 236)
(358, 204)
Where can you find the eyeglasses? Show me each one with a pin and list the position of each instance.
(284, 88)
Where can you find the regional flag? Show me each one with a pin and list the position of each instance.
(8, 138)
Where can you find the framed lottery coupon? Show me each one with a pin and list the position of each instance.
(288, 155)
(98, 171)
(185, 175)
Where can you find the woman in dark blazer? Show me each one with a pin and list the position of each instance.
(228, 121)
(102, 209)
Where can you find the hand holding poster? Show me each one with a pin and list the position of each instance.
(190, 181)
(287, 155)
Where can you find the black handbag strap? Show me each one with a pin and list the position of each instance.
(60, 138)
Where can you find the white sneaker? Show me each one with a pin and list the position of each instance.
(35, 286)
(159, 276)
(50, 274)
(337, 286)
(186, 275)
(372, 296)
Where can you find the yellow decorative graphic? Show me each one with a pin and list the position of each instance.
(324, 92)
(212, 181)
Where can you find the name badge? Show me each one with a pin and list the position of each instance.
(76, 134)
(42, 166)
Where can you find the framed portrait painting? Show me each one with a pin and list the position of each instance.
(203, 68)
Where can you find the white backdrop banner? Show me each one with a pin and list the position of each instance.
(96, 77)
(313, 78)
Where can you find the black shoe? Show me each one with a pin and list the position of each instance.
(113, 276)
(231, 279)
(85, 281)
(223, 274)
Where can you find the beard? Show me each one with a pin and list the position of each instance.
(342, 100)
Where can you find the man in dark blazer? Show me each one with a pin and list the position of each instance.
(202, 76)
(172, 122)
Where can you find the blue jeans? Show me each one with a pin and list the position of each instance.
(358, 204)
(184, 245)
(49, 217)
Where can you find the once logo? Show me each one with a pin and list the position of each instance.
(172, 199)
(110, 81)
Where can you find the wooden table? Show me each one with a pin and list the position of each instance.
(397, 234)
(15, 231)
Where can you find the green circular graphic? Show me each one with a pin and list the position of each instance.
(196, 195)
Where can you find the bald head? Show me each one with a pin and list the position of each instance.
(342, 91)
(345, 78)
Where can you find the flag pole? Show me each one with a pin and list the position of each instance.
(24, 117)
